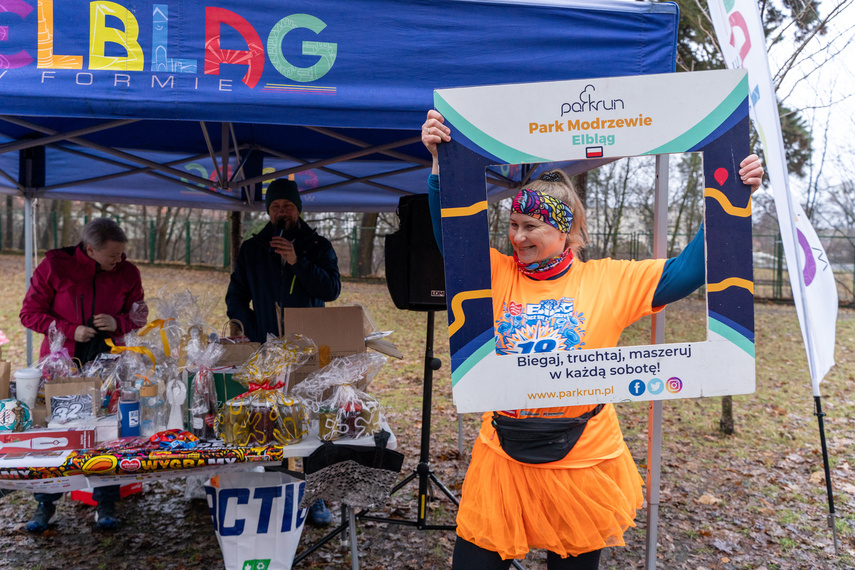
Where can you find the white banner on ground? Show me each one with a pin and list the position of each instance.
(257, 518)
(740, 35)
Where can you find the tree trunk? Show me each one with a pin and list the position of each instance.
(235, 232)
(144, 244)
(10, 219)
(365, 245)
(580, 183)
(66, 237)
(47, 225)
(164, 220)
(726, 421)
(234, 238)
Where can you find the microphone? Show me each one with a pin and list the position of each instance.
(279, 228)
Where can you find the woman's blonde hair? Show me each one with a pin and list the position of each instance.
(557, 184)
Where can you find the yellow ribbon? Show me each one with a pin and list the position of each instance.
(138, 349)
(158, 323)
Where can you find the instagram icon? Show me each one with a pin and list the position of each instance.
(674, 385)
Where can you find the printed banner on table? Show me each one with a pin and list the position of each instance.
(740, 35)
(134, 461)
(548, 364)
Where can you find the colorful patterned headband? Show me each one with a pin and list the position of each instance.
(543, 207)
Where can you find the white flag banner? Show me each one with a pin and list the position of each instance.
(740, 35)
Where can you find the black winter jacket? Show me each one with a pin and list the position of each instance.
(261, 276)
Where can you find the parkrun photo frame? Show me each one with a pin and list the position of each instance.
(605, 118)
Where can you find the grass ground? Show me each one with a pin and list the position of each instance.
(752, 500)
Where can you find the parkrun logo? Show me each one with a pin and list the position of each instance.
(595, 132)
(103, 32)
(587, 103)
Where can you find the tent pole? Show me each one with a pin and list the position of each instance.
(362, 144)
(831, 523)
(28, 263)
(224, 155)
(59, 136)
(323, 162)
(657, 336)
(113, 152)
(348, 178)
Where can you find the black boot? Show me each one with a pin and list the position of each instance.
(105, 515)
(39, 523)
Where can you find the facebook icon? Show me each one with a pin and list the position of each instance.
(636, 387)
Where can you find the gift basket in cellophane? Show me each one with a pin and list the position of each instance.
(336, 395)
(57, 363)
(265, 414)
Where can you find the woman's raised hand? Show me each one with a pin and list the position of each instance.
(433, 133)
(750, 170)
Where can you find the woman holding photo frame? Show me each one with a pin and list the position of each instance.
(561, 479)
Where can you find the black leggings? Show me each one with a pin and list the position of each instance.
(468, 556)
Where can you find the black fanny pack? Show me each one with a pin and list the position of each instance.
(540, 440)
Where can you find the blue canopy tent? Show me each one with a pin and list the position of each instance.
(143, 102)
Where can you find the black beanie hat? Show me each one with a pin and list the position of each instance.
(282, 189)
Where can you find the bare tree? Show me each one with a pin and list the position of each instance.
(10, 220)
(365, 244)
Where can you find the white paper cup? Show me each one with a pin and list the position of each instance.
(27, 385)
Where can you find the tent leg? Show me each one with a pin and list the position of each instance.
(654, 460)
(354, 549)
(657, 336)
(28, 263)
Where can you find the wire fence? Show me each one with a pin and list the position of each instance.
(205, 242)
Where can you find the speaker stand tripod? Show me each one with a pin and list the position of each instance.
(423, 471)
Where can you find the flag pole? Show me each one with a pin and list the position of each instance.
(831, 523)
(767, 123)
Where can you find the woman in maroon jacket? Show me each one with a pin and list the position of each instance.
(90, 291)
(86, 288)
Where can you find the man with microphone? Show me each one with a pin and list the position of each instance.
(286, 263)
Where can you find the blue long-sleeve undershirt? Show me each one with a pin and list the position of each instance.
(681, 276)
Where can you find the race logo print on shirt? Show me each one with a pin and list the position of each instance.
(539, 327)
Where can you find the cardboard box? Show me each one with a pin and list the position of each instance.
(237, 354)
(39, 415)
(47, 439)
(106, 428)
(5, 377)
(337, 331)
(85, 495)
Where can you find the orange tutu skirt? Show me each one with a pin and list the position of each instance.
(510, 508)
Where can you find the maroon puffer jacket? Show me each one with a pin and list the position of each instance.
(63, 288)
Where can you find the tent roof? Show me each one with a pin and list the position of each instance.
(332, 92)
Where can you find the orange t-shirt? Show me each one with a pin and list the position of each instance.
(587, 307)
